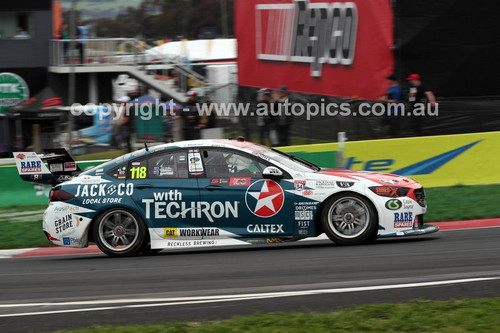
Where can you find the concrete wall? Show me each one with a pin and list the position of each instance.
(33, 52)
(28, 58)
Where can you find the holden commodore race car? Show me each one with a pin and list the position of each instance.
(206, 193)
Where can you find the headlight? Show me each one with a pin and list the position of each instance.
(390, 191)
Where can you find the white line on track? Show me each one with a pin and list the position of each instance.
(158, 302)
(4, 254)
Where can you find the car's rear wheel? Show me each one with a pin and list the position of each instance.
(119, 233)
(349, 219)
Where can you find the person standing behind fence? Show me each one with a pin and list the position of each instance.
(418, 94)
(263, 114)
(83, 34)
(126, 123)
(284, 119)
(393, 96)
(206, 120)
(64, 36)
(191, 117)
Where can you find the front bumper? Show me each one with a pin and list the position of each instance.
(417, 231)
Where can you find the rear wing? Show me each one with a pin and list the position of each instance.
(60, 166)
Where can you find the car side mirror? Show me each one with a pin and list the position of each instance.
(272, 172)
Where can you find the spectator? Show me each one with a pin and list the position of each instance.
(168, 128)
(64, 36)
(284, 117)
(82, 34)
(393, 96)
(207, 121)
(263, 114)
(21, 33)
(191, 117)
(418, 94)
(126, 124)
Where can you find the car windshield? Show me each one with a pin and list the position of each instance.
(290, 161)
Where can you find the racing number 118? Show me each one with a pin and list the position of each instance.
(138, 172)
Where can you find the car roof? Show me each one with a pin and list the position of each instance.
(239, 144)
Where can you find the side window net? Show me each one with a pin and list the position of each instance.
(225, 164)
(164, 166)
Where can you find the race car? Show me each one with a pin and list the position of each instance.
(205, 193)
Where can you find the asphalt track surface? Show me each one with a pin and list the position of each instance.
(45, 294)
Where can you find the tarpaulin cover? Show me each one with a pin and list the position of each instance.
(332, 48)
(44, 105)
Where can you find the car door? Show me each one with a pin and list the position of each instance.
(242, 203)
(166, 193)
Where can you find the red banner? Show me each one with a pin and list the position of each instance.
(332, 48)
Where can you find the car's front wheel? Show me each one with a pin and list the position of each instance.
(119, 233)
(349, 219)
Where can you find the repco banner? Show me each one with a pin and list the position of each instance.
(334, 48)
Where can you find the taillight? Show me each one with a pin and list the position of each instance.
(59, 195)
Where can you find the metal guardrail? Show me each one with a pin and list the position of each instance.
(98, 51)
(7, 161)
(189, 79)
(121, 51)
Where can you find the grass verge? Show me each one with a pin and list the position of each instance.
(21, 227)
(444, 204)
(462, 203)
(18, 235)
(468, 315)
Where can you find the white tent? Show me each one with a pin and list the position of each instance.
(196, 50)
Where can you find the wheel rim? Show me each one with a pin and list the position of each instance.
(348, 217)
(118, 230)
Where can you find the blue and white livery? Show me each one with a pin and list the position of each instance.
(219, 192)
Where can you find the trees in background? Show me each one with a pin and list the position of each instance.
(159, 19)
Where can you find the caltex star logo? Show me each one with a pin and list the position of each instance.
(265, 198)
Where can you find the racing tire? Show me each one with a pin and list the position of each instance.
(349, 219)
(119, 232)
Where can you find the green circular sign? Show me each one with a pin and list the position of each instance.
(13, 91)
(393, 204)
